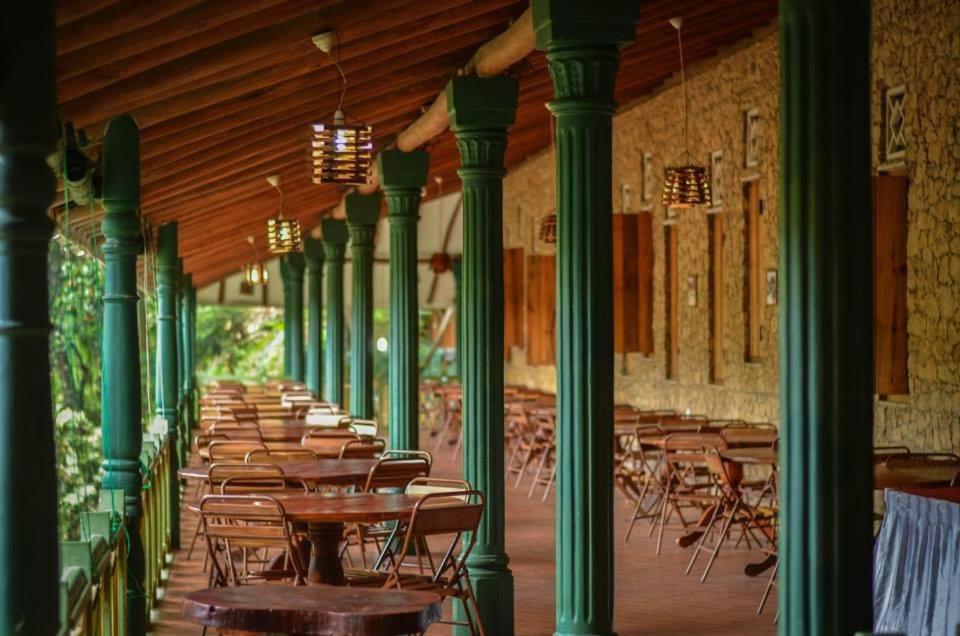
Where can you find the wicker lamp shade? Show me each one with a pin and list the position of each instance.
(283, 235)
(255, 274)
(685, 186)
(341, 153)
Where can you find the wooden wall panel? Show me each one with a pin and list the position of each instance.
(626, 284)
(541, 309)
(890, 284)
(715, 234)
(755, 283)
(512, 299)
(645, 283)
(672, 301)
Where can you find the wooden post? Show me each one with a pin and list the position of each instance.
(481, 112)
(167, 361)
(583, 58)
(363, 212)
(29, 570)
(826, 319)
(402, 175)
(313, 252)
(120, 398)
(291, 269)
(335, 239)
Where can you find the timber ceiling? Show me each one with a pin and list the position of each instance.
(224, 91)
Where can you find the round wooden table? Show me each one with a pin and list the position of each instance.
(325, 515)
(764, 456)
(313, 610)
(323, 472)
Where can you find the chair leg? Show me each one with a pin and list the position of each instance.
(703, 538)
(766, 591)
(723, 535)
(553, 478)
(196, 534)
(536, 475)
(665, 505)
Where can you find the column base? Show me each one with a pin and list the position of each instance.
(493, 585)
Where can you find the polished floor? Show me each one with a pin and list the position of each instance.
(652, 594)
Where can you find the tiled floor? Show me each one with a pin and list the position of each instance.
(652, 594)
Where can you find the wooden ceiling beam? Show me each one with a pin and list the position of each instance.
(72, 10)
(126, 15)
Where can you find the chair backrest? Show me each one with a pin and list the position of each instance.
(362, 448)
(280, 456)
(933, 468)
(236, 433)
(395, 472)
(677, 423)
(396, 453)
(235, 450)
(454, 513)
(882, 453)
(365, 428)
(325, 419)
(327, 440)
(422, 486)
(246, 521)
(221, 471)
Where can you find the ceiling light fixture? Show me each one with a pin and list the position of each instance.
(340, 152)
(684, 185)
(283, 235)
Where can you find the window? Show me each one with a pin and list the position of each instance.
(541, 309)
(671, 291)
(890, 284)
(754, 285)
(715, 236)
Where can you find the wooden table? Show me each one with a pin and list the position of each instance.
(884, 477)
(763, 456)
(323, 472)
(325, 515)
(313, 610)
(734, 438)
(332, 452)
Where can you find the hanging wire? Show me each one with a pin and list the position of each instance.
(683, 84)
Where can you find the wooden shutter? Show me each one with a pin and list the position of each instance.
(645, 283)
(541, 309)
(715, 232)
(671, 304)
(890, 284)
(755, 284)
(626, 284)
(512, 299)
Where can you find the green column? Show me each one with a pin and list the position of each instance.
(120, 396)
(582, 55)
(456, 267)
(189, 350)
(481, 112)
(29, 571)
(184, 445)
(363, 212)
(335, 237)
(826, 321)
(313, 252)
(186, 355)
(167, 360)
(402, 174)
(291, 270)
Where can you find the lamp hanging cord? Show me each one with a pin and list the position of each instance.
(343, 79)
(683, 83)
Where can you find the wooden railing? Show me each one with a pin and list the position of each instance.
(93, 579)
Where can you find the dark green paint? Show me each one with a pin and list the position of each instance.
(189, 315)
(121, 413)
(184, 446)
(402, 175)
(481, 112)
(29, 573)
(291, 270)
(335, 237)
(456, 268)
(313, 253)
(363, 212)
(167, 387)
(581, 40)
(826, 320)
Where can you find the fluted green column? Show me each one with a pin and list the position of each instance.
(826, 320)
(456, 268)
(184, 445)
(363, 212)
(29, 570)
(582, 55)
(335, 237)
(313, 252)
(186, 347)
(481, 112)
(120, 396)
(291, 269)
(167, 387)
(402, 175)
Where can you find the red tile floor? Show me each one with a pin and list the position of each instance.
(652, 594)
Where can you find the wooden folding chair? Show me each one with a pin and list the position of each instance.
(280, 456)
(236, 524)
(324, 440)
(232, 450)
(686, 481)
(363, 449)
(368, 429)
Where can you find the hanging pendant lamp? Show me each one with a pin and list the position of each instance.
(283, 235)
(340, 152)
(685, 184)
(255, 273)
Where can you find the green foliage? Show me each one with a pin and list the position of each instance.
(76, 284)
(245, 343)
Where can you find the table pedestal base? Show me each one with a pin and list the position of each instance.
(325, 565)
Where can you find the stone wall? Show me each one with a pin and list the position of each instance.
(913, 45)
